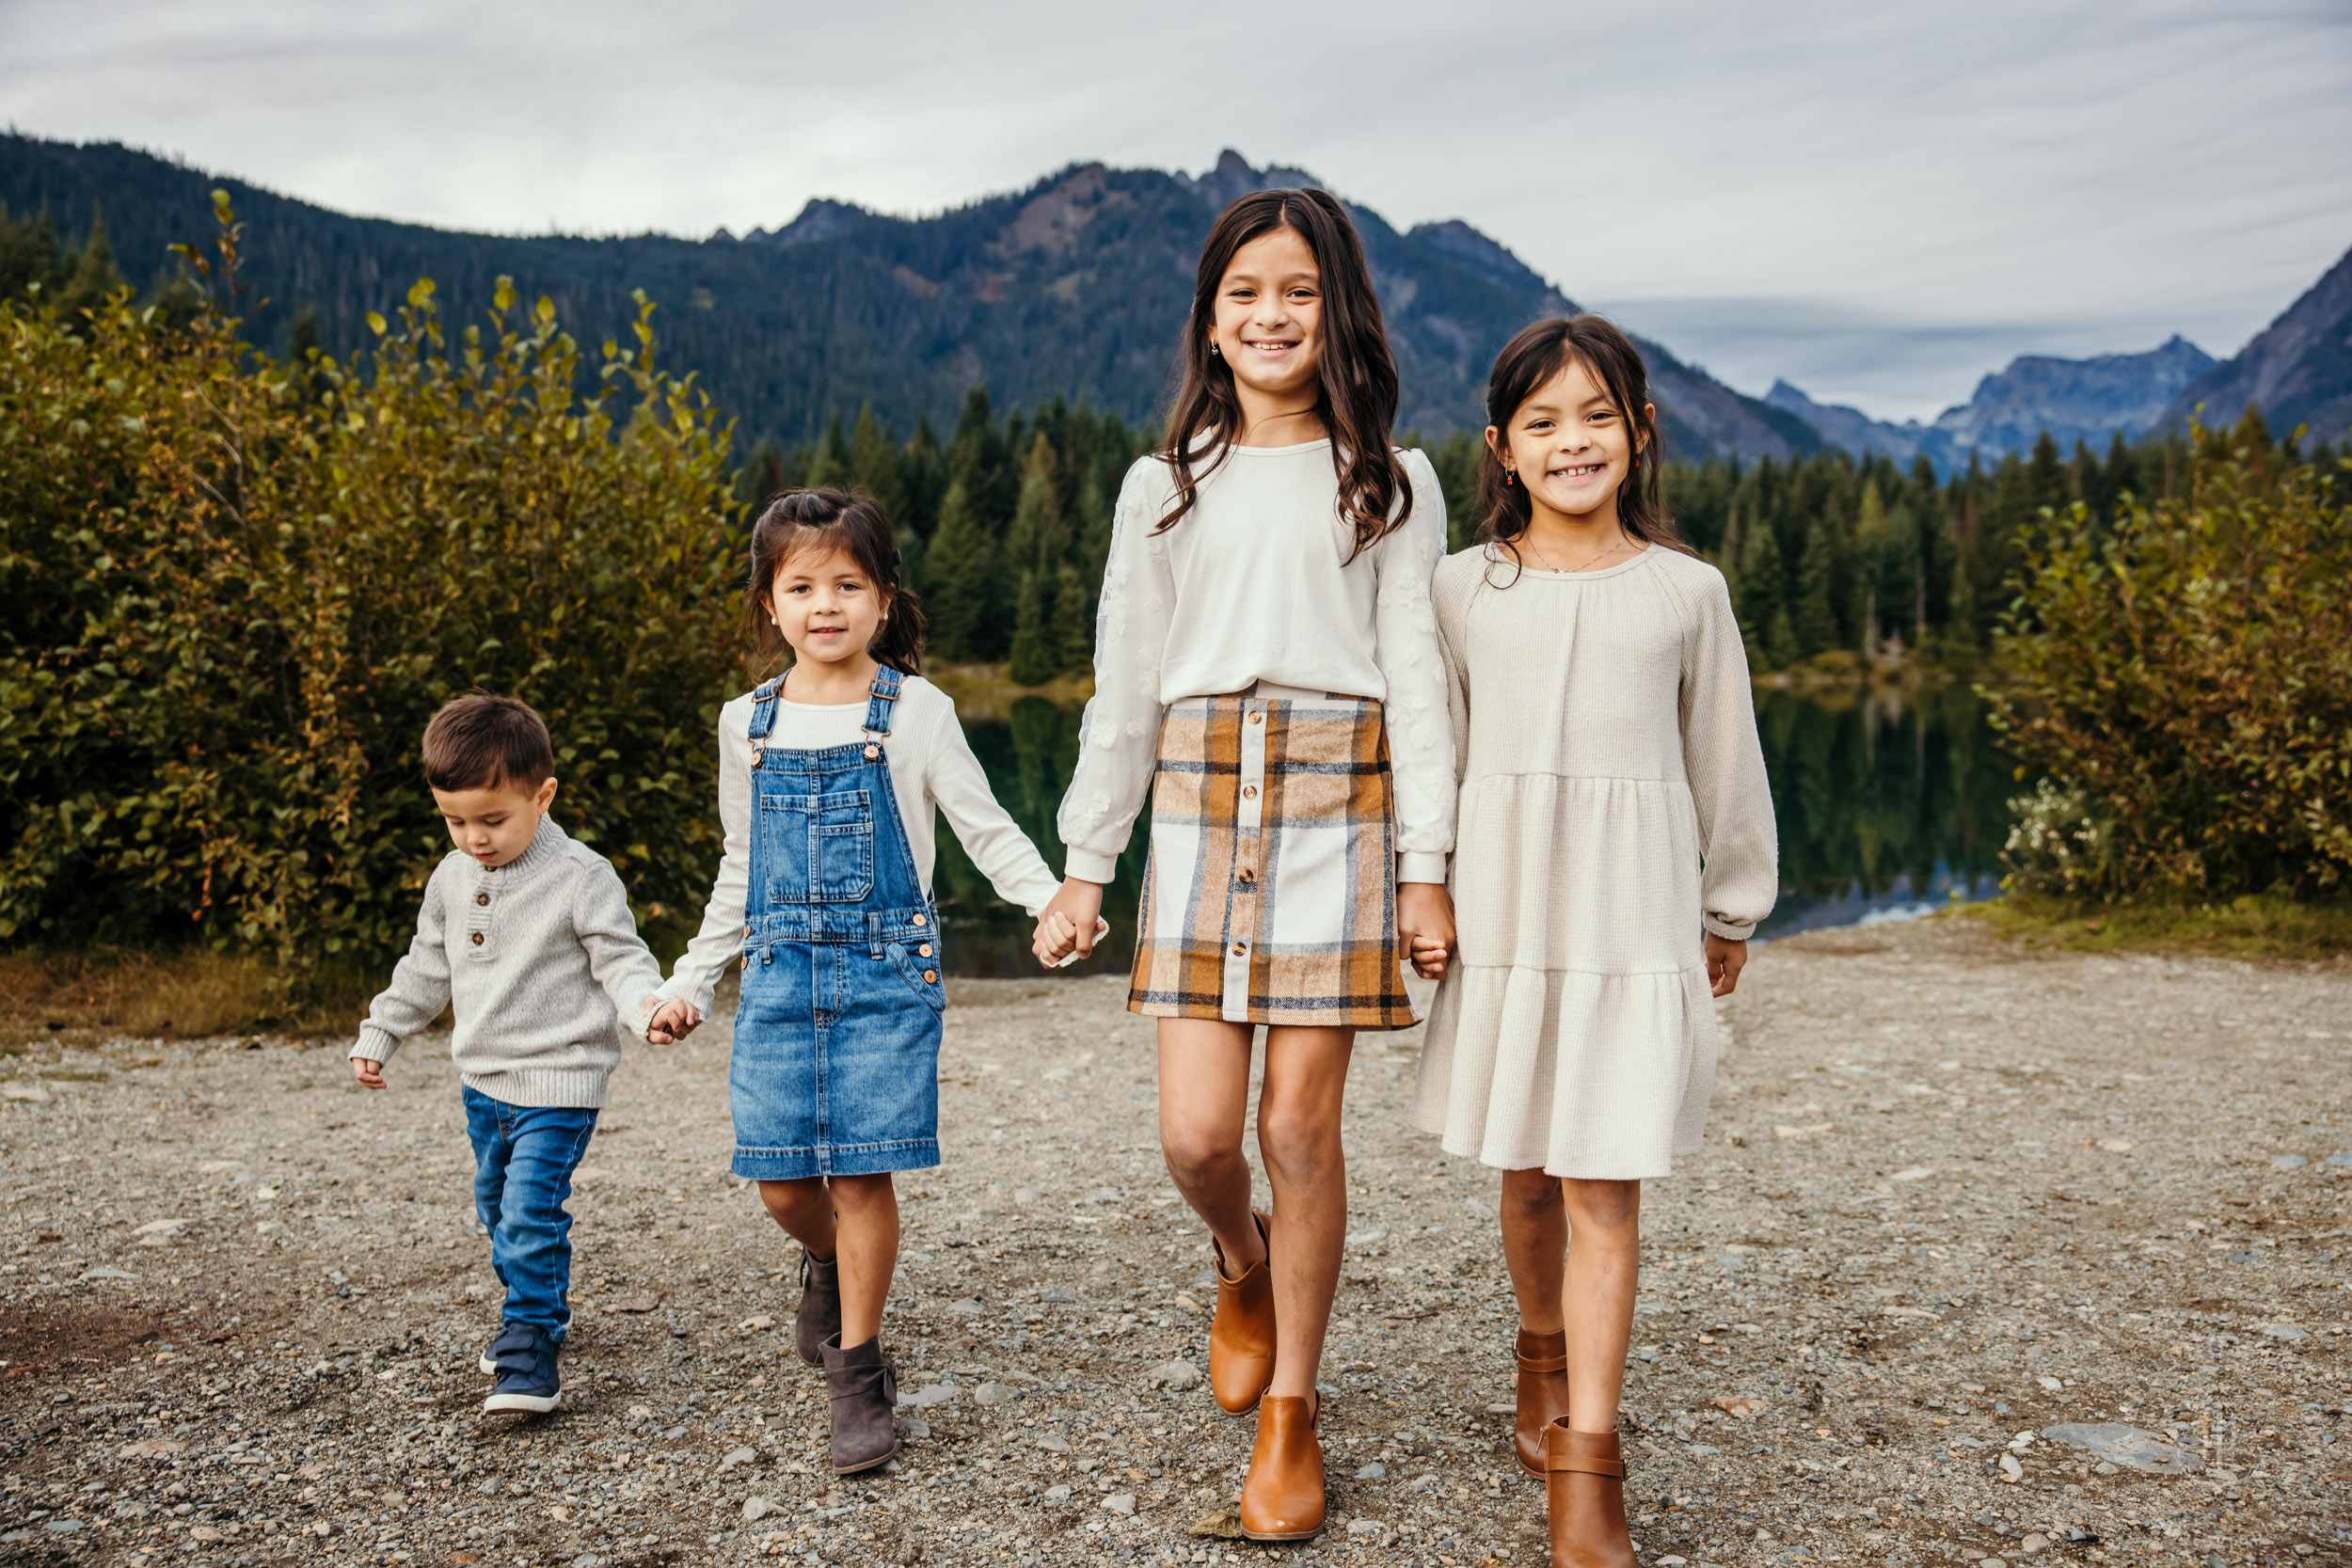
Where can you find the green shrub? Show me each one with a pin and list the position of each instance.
(2184, 675)
(232, 590)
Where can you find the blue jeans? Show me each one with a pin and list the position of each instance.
(523, 1160)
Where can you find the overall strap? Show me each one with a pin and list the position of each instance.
(764, 698)
(878, 706)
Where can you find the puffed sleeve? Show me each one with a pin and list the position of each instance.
(1118, 737)
(1405, 645)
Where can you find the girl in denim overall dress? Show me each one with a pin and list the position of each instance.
(827, 779)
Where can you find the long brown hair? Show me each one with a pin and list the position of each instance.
(1528, 361)
(1356, 376)
(833, 519)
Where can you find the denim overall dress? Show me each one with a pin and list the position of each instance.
(836, 1037)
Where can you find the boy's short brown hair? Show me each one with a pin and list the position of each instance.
(481, 742)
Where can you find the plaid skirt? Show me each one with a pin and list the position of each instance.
(1271, 892)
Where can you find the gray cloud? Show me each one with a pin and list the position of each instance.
(1932, 188)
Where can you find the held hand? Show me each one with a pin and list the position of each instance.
(1067, 924)
(1725, 958)
(667, 1022)
(1425, 924)
(369, 1074)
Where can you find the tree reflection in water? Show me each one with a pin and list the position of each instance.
(1889, 801)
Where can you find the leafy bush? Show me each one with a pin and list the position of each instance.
(232, 590)
(2185, 676)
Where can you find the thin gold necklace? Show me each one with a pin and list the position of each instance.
(1545, 561)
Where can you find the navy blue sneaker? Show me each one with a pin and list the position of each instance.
(524, 1358)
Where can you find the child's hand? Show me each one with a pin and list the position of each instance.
(369, 1074)
(1424, 922)
(1725, 958)
(1070, 924)
(1057, 938)
(1427, 957)
(667, 1022)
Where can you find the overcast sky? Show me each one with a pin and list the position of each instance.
(1879, 201)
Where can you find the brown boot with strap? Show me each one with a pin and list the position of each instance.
(1283, 1497)
(1585, 1490)
(1241, 1338)
(1543, 1394)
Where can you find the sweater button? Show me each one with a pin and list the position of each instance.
(482, 898)
(1247, 875)
(1257, 717)
(1241, 949)
(925, 950)
(1249, 792)
(477, 939)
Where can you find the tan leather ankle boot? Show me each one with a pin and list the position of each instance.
(1241, 1339)
(1282, 1499)
(1585, 1490)
(1543, 1360)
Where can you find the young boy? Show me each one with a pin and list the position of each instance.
(528, 934)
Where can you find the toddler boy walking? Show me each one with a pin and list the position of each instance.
(527, 934)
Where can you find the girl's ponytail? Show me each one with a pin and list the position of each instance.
(844, 520)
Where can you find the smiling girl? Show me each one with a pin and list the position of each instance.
(1264, 655)
(830, 776)
(1616, 849)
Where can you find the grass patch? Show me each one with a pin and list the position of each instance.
(188, 994)
(2249, 927)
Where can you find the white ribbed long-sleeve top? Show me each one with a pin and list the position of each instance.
(1254, 584)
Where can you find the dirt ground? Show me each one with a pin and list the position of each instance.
(1956, 1195)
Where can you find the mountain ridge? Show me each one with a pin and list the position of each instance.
(1077, 285)
(2089, 400)
(2297, 371)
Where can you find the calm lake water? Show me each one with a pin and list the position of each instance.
(1890, 804)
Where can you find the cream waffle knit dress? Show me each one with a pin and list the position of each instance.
(1613, 806)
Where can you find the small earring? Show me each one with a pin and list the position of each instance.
(1508, 479)
(1214, 349)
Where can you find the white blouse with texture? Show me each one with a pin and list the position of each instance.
(1254, 584)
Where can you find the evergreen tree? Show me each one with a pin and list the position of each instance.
(829, 464)
(92, 277)
(1817, 586)
(923, 472)
(1074, 621)
(1875, 556)
(1760, 591)
(1033, 553)
(29, 255)
(959, 575)
(762, 477)
(874, 466)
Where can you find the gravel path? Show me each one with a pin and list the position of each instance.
(1956, 1195)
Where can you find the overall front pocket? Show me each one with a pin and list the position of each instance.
(818, 848)
(911, 970)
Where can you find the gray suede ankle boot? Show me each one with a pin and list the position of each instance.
(819, 1318)
(863, 1385)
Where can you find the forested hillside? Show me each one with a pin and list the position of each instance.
(1075, 287)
